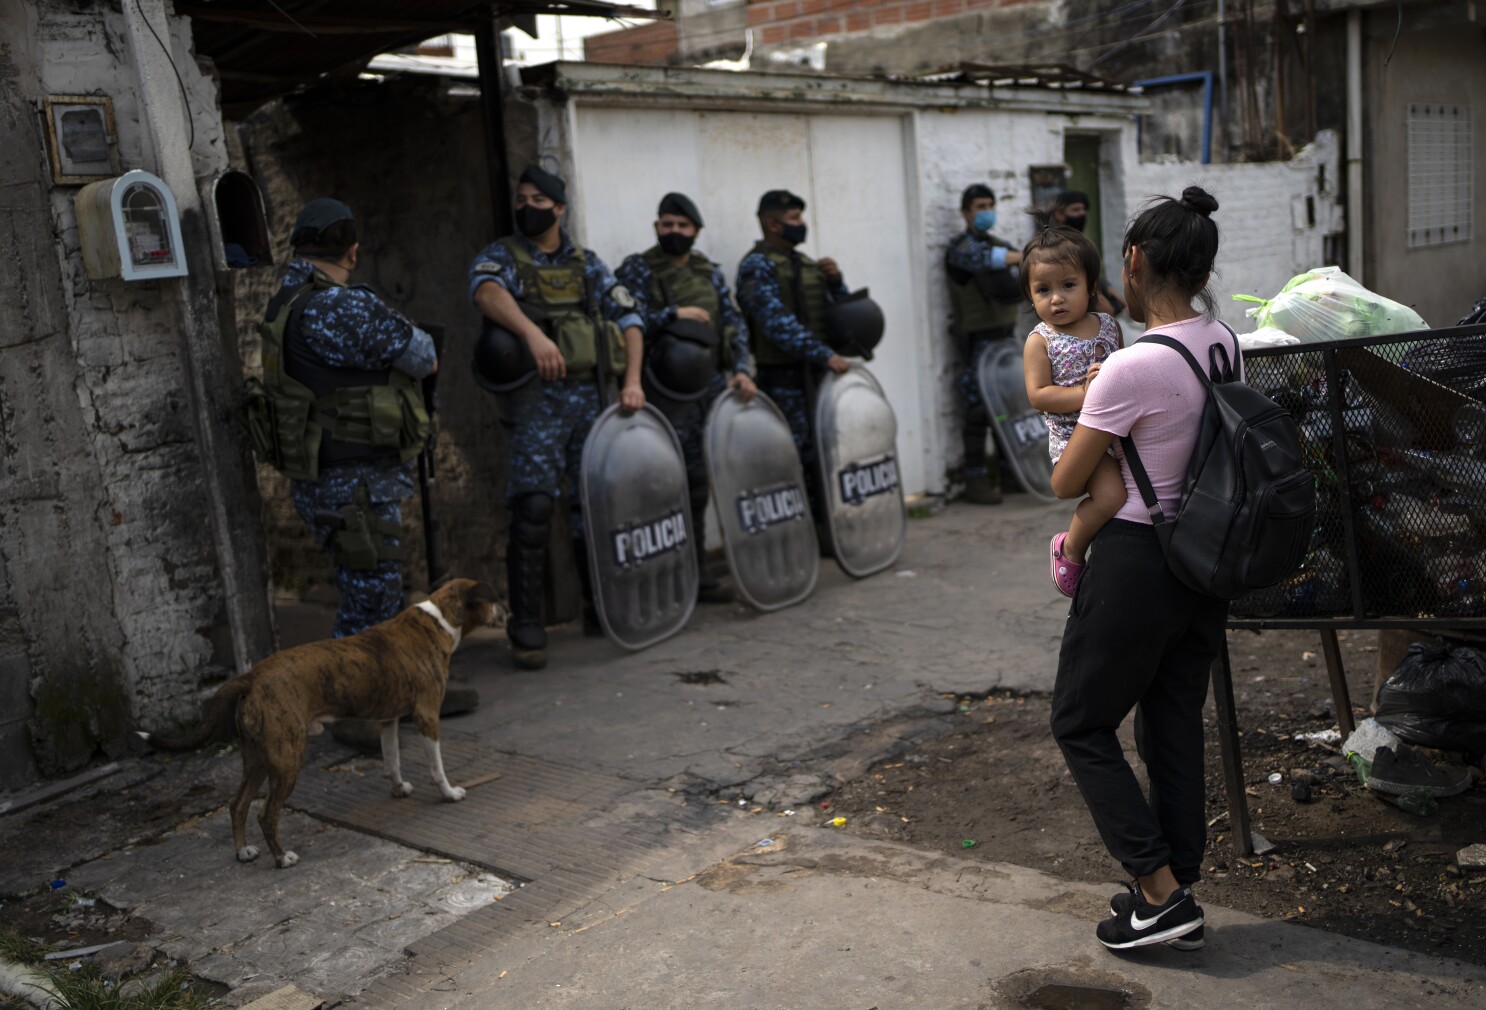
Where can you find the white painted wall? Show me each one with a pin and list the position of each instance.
(883, 182)
(1264, 234)
(726, 161)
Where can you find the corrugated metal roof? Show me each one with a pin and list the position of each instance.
(266, 49)
(1058, 76)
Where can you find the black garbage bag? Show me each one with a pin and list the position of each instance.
(1437, 697)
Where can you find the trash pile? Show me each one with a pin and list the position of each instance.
(1403, 489)
(1435, 699)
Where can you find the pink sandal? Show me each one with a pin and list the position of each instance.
(1065, 573)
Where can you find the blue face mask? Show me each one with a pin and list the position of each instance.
(985, 220)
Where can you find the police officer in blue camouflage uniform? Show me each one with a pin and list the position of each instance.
(671, 281)
(983, 297)
(587, 313)
(343, 360)
(783, 294)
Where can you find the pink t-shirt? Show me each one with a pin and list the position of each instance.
(1149, 392)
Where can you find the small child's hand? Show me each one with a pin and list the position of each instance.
(1089, 376)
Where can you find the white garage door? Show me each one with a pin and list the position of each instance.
(850, 171)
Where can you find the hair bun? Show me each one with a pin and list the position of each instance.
(1198, 199)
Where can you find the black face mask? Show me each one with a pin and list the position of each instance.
(674, 243)
(794, 234)
(1076, 223)
(533, 221)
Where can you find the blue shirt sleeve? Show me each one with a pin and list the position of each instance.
(759, 297)
(616, 303)
(494, 263)
(974, 256)
(635, 274)
(419, 358)
(353, 328)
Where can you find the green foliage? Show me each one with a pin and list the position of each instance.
(19, 949)
(87, 989)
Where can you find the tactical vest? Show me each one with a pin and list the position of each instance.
(970, 309)
(690, 285)
(803, 291)
(305, 415)
(561, 291)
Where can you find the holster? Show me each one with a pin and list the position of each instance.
(361, 541)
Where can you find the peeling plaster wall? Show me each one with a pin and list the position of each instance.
(957, 148)
(110, 606)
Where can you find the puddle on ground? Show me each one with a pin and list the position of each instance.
(1057, 996)
(1077, 986)
(701, 677)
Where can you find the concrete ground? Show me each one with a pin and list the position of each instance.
(635, 797)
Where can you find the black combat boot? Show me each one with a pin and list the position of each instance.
(709, 588)
(591, 626)
(526, 571)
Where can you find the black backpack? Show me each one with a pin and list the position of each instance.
(1248, 503)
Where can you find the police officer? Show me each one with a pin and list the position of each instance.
(783, 294)
(342, 357)
(983, 298)
(674, 282)
(588, 313)
(1071, 207)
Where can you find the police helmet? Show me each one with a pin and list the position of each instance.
(682, 361)
(503, 363)
(854, 325)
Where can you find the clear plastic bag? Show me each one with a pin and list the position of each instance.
(1437, 697)
(1326, 304)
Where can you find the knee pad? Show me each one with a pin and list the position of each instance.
(530, 517)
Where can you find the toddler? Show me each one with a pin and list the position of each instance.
(1060, 273)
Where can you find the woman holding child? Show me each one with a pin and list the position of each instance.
(1136, 637)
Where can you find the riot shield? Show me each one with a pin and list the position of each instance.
(758, 487)
(856, 444)
(1021, 434)
(641, 546)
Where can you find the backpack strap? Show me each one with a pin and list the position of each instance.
(1221, 368)
(1221, 372)
(1147, 491)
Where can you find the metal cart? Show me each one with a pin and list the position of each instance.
(1394, 430)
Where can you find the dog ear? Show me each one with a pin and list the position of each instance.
(479, 592)
(440, 583)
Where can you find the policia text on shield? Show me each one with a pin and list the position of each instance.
(588, 326)
(696, 346)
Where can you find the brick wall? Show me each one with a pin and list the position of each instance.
(648, 44)
(777, 22)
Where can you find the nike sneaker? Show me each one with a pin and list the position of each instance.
(1120, 903)
(1140, 924)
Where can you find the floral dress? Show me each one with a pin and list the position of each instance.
(1071, 358)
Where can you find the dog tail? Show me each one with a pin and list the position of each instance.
(218, 721)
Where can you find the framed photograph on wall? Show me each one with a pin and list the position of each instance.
(81, 139)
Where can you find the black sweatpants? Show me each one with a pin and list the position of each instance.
(1137, 638)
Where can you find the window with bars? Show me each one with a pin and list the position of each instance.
(1440, 176)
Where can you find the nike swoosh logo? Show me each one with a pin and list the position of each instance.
(1137, 922)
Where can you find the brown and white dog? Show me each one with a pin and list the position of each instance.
(396, 668)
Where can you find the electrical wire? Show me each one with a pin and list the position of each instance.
(1169, 11)
(190, 119)
(1397, 31)
(288, 17)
